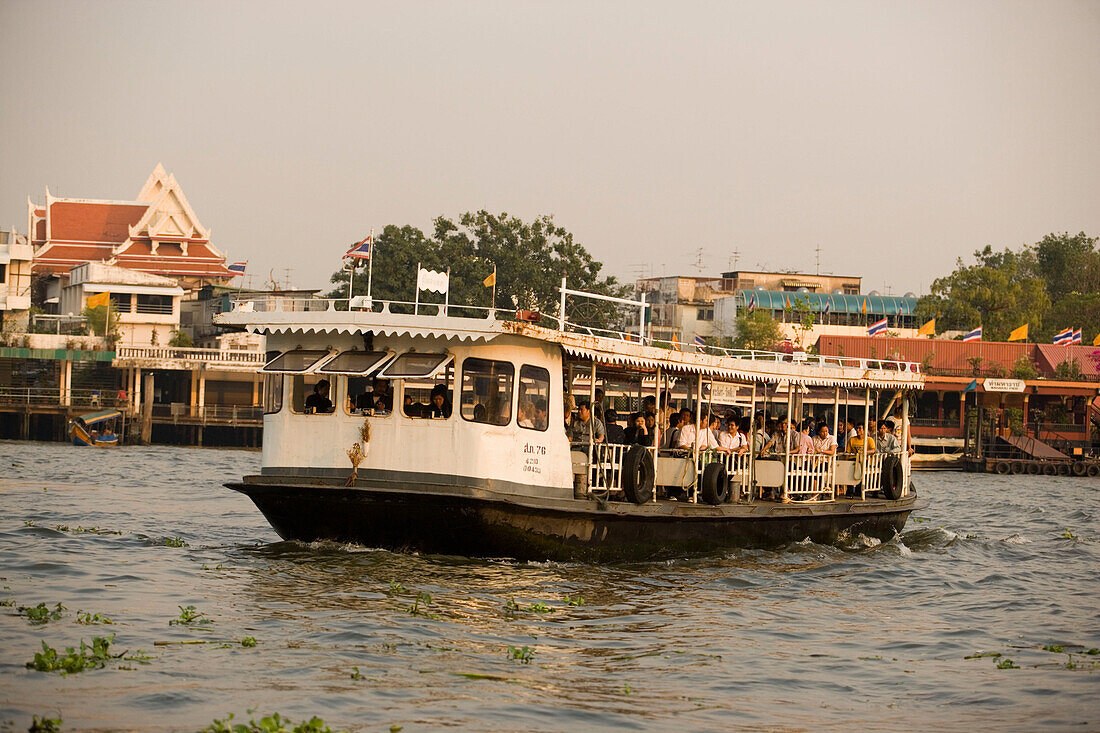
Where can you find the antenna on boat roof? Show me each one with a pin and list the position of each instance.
(735, 257)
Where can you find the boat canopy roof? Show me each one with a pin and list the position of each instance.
(93, 418)
(319, 316)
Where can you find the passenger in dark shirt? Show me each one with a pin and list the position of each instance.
(440, 406)
(615, 432)
(318, 401)
(639, 432)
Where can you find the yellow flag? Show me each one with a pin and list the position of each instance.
(1020, 334)
(95, 301)
(491, 280)
(928, 329)
(1096, 341)
(864, 306)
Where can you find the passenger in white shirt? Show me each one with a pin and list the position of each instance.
(700, 434)
(824, 444)
(731, 440)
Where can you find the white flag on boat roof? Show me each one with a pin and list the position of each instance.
(437, 282)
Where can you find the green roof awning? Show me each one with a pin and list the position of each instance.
(12, 352)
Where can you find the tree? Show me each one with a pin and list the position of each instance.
(180, 339)
(1069, 264)
(530, 259)
(97, 321)
(756, 330)
(1000, 293)
(804, 317)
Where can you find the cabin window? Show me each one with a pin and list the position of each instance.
(368, 396)
(533, 407)
(273, 393)
(487, 391)
(294, 362)
(357, 363)
(311, 394)
(120, 302)
(429, 398)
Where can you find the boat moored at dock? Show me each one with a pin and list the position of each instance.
(444, 433)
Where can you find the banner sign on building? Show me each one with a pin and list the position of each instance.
(1004, 385)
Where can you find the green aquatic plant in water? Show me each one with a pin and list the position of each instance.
(573, 602)
(1007, 664)
(980, 655)
(84, 530)
(540, 607)
(175, 542)
(45, 725)
(1068, 534)
(521, 654)
(1056, 648)
(274, 723)
(189, 616)
(356, 674)
(396, 587)
(248, 642)
(83, 617)
(40, 614)
(73, 660)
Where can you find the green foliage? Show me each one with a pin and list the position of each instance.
(181, 340)
(980, 655)
(1007, 664)
(274, 723)
(521, 654)
(416, 610)
(84, 530)
(578, 601)
(175, 542)
(248, 642)
(45, 725)
(1024, 368)
(756, 330)
(73, 660)
(1069, 264)
(530, 257)
(396, 587)
(1069, 369)
(41, 614)
(88, 619)
(1056, 648)
(1000, 292)
(356, 674)
(97, 320)
(804, 316)
(189, 616)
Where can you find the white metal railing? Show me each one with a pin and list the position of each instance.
(810, 477)
(250, 357)
(871, 479)
(737, 471)
(275, 304)
(607, 466)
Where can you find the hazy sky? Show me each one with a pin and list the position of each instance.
(896, 136)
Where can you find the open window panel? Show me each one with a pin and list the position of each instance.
(416, 364)
(296, 361)
(357, 363)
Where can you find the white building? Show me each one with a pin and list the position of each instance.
(15, 279)
(148, 306)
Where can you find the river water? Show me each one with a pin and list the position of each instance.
(807, 637)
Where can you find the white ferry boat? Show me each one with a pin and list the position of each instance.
(443, 432)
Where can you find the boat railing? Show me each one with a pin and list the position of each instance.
(607, 464)
(871, 479)
(737, 467)
(276, 304)
(56, 397)
(809, 477)
(251, 357)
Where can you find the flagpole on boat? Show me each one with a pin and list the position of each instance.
(370, 265)
(351, 278)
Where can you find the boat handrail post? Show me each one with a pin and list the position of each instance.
(787, 441)
(656, 428)
(866, 437)
(904, 442)
(698, 434)
(752, 452)
(592, 421)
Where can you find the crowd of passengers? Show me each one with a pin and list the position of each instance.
(728, 432)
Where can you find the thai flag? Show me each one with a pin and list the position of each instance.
(699, 342)
(975, 335)
(1063, 338)
(828, 306)
(237, 268)
(361, 249)
(876, 328)
(1076, 336)
(752, 302)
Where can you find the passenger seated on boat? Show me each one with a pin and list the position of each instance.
(542, 414)
(318, 402)
(525, 414)
(440, 407)
(805, 442)
(480, 413)
(860, 444)
(887, 442)
(776, 444)
(410, 408)
(671, 434)
(731, 440)
(824, 444)
(585, 425)
(698, 435)
(649, 405)
(382, 395)
(640, 431)
(568, 405)
(762, 434)
(615, 432)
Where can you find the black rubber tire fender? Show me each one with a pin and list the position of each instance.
(1064, 469)
(1049, 469)
(638, 474)
(1001, 468)
(1094, 469)
(891, 477)
(1017, 467)
(715, 484)
(1033, 468)
(1080, 468)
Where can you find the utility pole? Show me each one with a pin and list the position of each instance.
(699, 260)
(818, 253)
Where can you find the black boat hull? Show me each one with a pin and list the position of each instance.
(486, 526)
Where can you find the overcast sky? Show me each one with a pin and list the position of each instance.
(894, 136)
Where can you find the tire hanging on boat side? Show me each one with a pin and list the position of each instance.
(716, 484)
(638, 474)
(891, 477)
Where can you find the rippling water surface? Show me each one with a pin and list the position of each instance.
(859, 636)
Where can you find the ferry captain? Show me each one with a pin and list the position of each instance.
(319, 402)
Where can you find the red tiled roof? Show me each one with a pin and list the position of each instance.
(72, 221)
(1049, 356)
